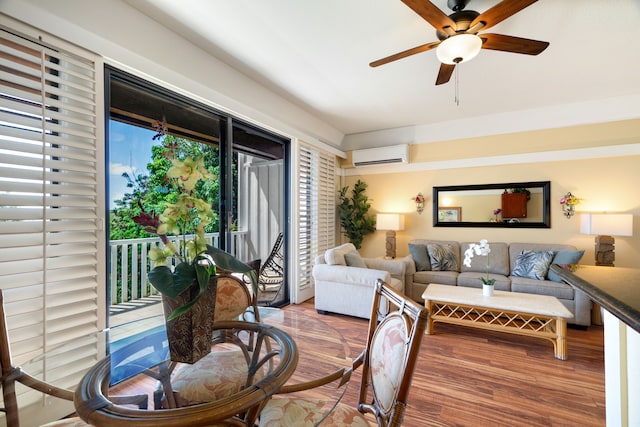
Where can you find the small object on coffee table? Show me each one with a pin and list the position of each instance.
(518, 313)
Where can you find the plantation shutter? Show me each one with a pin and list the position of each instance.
(52, 268)
(316, 213)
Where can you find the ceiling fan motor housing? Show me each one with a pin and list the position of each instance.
(463, 20)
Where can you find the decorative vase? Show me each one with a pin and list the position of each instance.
(190, 334)
(487, 290)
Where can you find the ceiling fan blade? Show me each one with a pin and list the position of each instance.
(430, 13)
(512, 44)
(500, 12)
(404, 54)
(446, 70)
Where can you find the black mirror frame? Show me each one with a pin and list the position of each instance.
(546, 214)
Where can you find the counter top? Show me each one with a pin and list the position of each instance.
(616, 289)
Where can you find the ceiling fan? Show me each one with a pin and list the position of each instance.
(458, 36)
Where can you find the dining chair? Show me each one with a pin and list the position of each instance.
(388, 363)
(12, 374)
(223, 371)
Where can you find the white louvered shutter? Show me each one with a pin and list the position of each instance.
(52, 268)
(316, 213)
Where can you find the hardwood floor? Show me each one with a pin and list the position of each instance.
(469, 377)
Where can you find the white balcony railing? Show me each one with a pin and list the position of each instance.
(129, 264)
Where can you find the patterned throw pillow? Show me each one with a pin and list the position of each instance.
(442, 257)
(420, 256)
(532, 264)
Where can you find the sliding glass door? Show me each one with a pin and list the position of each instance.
(148, 126)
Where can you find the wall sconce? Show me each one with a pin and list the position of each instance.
(605, 226)
(569, 202)
(419, 203)
(390, 222)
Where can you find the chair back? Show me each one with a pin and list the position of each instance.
(392, 350)
(233, 298)
(271, 274)
(9, 373)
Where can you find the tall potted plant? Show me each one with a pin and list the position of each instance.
(354, 213)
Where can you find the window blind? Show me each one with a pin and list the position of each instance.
(51, 174)
(316, 209)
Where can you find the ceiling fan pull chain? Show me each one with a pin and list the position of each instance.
(456, 98)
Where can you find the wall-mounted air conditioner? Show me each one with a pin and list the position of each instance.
(381, 155)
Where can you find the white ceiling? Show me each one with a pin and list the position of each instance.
(316, 54)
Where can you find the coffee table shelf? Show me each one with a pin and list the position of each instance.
(538, 316)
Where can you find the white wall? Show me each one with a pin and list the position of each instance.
(131, 41)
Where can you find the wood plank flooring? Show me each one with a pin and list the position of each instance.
(469, 377)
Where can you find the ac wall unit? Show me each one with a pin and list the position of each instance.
(381, 155)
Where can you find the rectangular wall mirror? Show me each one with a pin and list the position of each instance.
(508, 205)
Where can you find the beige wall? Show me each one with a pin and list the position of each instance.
(609, 184)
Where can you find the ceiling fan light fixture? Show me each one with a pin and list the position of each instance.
(459, 48)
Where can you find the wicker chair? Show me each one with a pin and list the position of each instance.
(12, 374)
(271, 274)
(223, 371)
(388, 363)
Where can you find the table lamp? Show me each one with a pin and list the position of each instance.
(391, 223)
(605, 226)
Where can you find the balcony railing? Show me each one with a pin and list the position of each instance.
(129, 264)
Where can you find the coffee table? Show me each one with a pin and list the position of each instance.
(513, 312)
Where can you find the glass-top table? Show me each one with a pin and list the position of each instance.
(112, 387)
(270, 349)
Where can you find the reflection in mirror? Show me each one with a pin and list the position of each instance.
(518, 205)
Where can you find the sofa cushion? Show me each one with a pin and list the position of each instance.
(442, 257)
(564, 256)
(335, 256)
(353, 259)
(420, 256)
(471, 279)
(532, 264)
(498, 259)
(542, 287)
(440, 277)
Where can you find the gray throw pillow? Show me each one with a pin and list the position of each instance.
(420, 256)
(532, 264)
(354, 259)
(442, 257)
(564, 256)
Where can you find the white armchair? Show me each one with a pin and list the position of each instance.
(345, 282)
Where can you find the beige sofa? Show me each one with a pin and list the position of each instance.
(502, 262)
(344, 281)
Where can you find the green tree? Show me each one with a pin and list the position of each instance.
(353, 211)
(150, 193)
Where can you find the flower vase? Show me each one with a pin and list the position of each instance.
(190, 334)
(487, 290)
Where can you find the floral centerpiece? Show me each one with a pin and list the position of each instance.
(187, 219)
(184, 268)
(482, 249)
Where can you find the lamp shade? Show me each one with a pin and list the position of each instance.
(607, 224)
(459, 48)
(393, 222)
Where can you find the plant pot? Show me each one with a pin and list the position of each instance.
(487, 290)
(190, 334)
